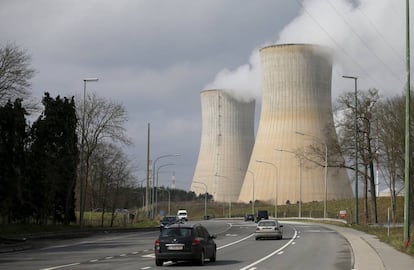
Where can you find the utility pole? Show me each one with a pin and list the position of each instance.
(356, 219)
(407, 134)
(148, 172)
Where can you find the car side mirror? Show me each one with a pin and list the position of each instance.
(213, 236)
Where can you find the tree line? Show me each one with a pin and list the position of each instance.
(381, 146)
(41, 178)
(38, 174)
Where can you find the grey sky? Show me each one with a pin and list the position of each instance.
(156, 56)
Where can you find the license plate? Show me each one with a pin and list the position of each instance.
(175, 247)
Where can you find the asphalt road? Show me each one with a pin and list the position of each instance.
(304, 246)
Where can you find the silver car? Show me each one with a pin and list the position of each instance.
(269, 229)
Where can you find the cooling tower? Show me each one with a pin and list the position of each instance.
(296, 114)
(227, 139)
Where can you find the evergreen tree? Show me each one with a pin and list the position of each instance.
(12, 160)
(54, 156)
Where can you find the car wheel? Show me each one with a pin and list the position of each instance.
(159, 262)
(201, 259)
(257, 238)
(213, 258)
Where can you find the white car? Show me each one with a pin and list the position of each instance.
(182, 215)
(269, 229)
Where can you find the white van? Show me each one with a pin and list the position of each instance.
(182, 215)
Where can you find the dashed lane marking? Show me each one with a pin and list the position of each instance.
(271, 254)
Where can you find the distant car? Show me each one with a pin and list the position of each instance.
(269, 229)
(167, 221)
(184, 242)
(262, 214)
(248, 217)
(182, 214)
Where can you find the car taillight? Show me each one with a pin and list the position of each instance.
(196, 241)
(157, 245)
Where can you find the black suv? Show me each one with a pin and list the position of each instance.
(183, 242)
(262, 214)
(167, 221)
(248, 217)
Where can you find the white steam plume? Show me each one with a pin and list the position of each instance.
(367, 37)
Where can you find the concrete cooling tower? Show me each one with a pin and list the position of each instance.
(296, 113)
(227, 139)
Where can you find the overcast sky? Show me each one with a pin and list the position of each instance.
(156, 56)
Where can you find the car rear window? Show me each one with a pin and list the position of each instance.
(267, 223)
(176, 232)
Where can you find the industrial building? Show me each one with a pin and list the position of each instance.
(227, 139)
(296, 114)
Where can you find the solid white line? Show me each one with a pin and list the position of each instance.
(271, 254)
(60, 266)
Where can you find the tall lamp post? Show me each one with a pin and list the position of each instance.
(356, 145)
(153, 180)
(300, 179)
(205, 198)
(83, 178)
(407, 152)
(276, 189)
(249, 171)
(169, 199)
(325, 213)
(228, 179)
(156, 184)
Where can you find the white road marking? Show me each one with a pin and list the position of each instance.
(235, 242)
(60, 266)
(92, 261)
(271, 254)
(147, 267)
(108, 258)
(280, 253)
(122, 255)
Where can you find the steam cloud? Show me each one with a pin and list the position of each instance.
(367, 38)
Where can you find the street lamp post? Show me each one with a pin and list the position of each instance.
(227, 190)
(326, 171)
(156, 184)
(407, 152)
(153, 180)
(169, 199)
(83, 178)
(205, 198)
(276, 189)
(356, 145)
(300, 179)
(249, 171)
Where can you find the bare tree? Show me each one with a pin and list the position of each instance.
(367, 148)
(15, 73)
(111, 170)
(104, 122)
(391, 114)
